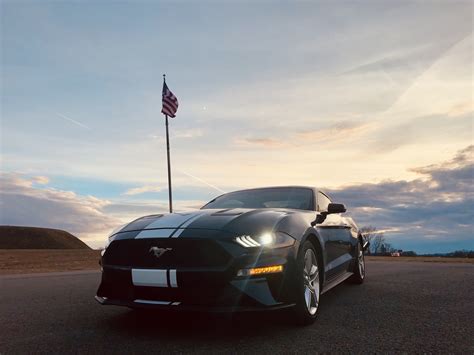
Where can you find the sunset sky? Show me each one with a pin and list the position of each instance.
(370, 100)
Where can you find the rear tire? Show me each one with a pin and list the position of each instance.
(308, 288)
(359, 266)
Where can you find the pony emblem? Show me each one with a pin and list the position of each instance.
(158, 252)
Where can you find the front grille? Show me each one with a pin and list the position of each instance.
(117, 284)
(197, 296)
(184, 253)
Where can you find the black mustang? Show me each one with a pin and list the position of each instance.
(258, 249)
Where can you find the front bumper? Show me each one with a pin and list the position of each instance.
(210, 289)
(169, 306)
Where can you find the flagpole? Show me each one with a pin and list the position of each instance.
(170, 194)
(169, 166)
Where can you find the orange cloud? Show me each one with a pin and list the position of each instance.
(338, 131)
(263, 141)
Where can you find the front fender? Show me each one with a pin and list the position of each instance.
(296, 224)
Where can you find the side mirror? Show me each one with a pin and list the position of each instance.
(320, 217)
(336, 208)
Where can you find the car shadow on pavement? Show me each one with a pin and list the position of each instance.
(192, 326)
(196, 325)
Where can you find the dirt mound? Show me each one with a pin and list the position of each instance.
(12, 237)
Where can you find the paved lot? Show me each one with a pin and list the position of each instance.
(422, 307)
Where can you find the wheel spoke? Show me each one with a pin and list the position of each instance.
(315, 299)
(307, 296)
(314, 277)
(308, 265)
(361, 264)
(311, 281)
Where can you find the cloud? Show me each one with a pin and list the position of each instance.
(41, 180)
(437, 206)
(402, 70)
(142, 190)
(24, 204)
(418, 130)
(461, 108)
(336, 132)
(130, 210)
(431, 213)
(188, 133)
(261, 142)
(463, 158)
(87, 217)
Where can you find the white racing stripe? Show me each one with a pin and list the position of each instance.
(165, 226)
(173, 279)
(154, 277)
(154, 233)
(147, 277)
(183, 227)
(172, 220)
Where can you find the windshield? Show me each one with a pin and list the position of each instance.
(281, 197)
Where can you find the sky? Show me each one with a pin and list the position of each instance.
(369, 100)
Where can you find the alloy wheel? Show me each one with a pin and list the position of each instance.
(311, 282)
(361, 263)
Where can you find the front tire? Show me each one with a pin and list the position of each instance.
(308, 285)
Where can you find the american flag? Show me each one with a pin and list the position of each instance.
(170, 102)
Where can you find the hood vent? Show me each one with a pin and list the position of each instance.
(228, 212)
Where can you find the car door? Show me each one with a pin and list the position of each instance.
(337, 235)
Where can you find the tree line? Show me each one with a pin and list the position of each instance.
(380, 246)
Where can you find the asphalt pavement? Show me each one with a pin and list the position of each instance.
(402, 307)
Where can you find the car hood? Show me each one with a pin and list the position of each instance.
(235, 221)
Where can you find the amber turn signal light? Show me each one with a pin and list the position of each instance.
(260, 270)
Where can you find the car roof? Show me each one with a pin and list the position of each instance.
(313, 188)
(277, 187)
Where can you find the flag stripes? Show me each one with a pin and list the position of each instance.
(170, 102)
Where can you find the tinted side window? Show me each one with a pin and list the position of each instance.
(323, 202)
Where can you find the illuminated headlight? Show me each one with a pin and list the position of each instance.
(268, 240)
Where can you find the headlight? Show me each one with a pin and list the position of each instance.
(267, 240)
